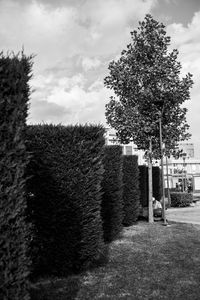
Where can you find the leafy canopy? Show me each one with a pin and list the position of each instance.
(146, 81)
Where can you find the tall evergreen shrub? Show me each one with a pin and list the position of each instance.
(131, 196)
(14, 232)
(112, 184)
(143, 185)
(156, 172)
(65, 201)
(144, 190)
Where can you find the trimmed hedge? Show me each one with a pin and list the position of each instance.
(157, 181)
(112, 184)
(131, 196)
(143, 184)
(65, 197)
(14, 232)
(181, 199)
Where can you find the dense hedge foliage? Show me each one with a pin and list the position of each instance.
(180, 199)
(157, 181)
(143, 184)
(65, 197)
(14, 232)
(131, 196)
(112, 184)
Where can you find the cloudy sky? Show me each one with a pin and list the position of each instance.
(74, 41)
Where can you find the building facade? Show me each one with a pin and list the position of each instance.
(128, 149)
(183, 173)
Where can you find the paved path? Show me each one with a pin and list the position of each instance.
(184, 214)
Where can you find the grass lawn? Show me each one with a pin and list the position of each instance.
(147, 262)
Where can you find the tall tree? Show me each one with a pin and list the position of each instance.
(148, 88)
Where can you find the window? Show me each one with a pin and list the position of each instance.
(193, 168)
(129, 150)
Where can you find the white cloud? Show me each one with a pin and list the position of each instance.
(89, 30)
(67, 83)
(83, 105)
(104, 14)
(55, 33)
(184, 35)
(108, 20)
(90, 63)
(41, 81)
(70, 94)
(187, 41)
(97, 85)
(45, 32)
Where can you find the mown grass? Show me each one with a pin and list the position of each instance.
(147, 262)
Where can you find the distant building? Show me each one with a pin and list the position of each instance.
(188, 149)
(128, 149)
(184, 172)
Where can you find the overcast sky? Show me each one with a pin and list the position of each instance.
(74, 41)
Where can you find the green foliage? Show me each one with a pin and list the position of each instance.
(131, 195)
(14, 231)
(157, 183)
(143, 184)
(112, 185)
(146, 81)
(65, 206)
(180, 199)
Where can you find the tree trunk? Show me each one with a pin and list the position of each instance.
(168, 192)
(151, 219)
(162, 170)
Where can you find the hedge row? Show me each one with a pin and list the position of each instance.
(14, 232)
(143, 184)
(77, 183)
(65, 197)
(181, 199)
(74, 193)
(157, 183)
(131, 194)
(112, 185)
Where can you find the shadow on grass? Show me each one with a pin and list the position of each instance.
(55, 289)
